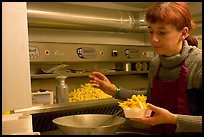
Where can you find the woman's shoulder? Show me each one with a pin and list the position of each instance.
(196, 51)
(195, 56)
(155, 60)
(194, 65)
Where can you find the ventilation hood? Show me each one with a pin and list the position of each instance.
(61, 15)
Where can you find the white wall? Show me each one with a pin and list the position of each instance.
(16, 83)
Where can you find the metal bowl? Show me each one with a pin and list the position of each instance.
(87, 124)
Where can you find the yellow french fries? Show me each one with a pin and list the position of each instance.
(86, 92)
(138, 101)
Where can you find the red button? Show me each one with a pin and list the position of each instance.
(47, 52)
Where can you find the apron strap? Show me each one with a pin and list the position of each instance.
(158, 69)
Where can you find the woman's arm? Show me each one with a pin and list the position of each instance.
(188, 123)
(160, 116)
(185, 123)
(100, 81)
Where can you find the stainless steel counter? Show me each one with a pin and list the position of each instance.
(69, 106)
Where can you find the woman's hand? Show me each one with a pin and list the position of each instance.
(161, 116)
(100, 81)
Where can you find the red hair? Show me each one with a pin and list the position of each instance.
(175, 13)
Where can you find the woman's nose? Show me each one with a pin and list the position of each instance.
(154, 38)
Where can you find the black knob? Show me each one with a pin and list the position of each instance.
(127, 53)
(114, 53)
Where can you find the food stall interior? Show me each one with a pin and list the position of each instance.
(72, 39)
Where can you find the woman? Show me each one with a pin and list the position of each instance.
(175, 74)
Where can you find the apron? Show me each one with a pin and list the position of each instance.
(171, 95)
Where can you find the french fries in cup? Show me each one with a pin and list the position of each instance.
(136, 107)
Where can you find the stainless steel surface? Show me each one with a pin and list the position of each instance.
(54, 69)
(60, 53)
(62, 89)
(43, 115)
(86, 57)
(124, 17)
(129, 6)
(107, 60)
(127, 128)
(87, 124)
(109, 119)
(71, 16)
(69, 106)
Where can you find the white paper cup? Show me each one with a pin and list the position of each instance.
(136, 112)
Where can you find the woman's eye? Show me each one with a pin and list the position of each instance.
(162, 33)
(150, 31)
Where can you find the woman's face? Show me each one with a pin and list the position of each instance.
(165, 39)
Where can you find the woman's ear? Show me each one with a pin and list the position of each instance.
(185, 33)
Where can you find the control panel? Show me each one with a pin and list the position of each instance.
(66, 52)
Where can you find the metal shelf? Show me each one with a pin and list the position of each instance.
(50, 76)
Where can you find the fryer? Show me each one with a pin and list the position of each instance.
(42, 116)
(111, 60)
